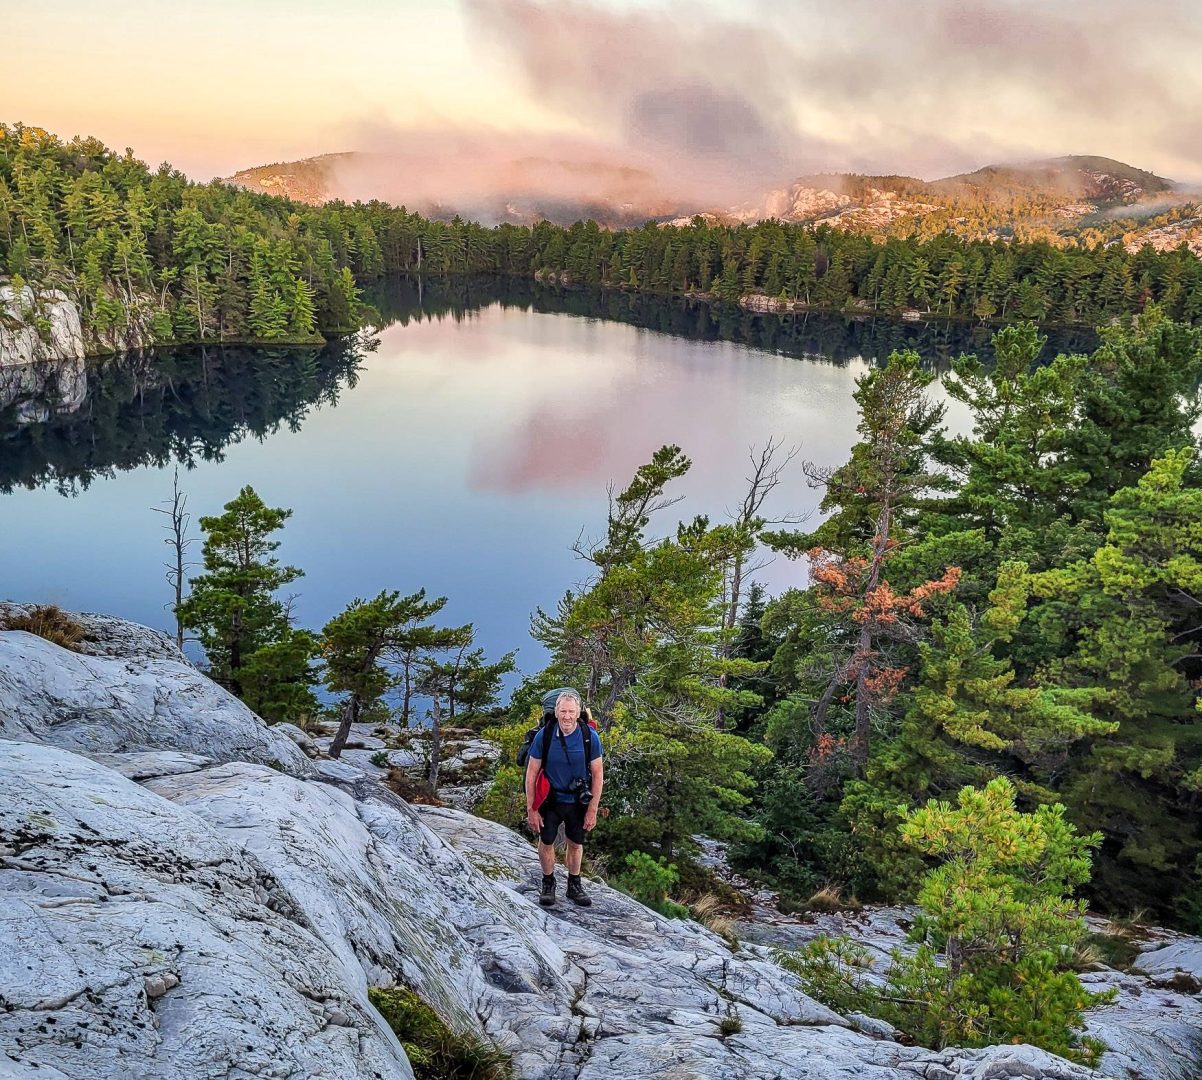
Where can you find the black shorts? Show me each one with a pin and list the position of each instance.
(572, 816)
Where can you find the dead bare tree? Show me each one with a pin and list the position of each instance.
(435, 739)
(768, 466)
(766, 473)
(178, 540)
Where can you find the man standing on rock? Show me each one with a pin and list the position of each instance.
(569, 752)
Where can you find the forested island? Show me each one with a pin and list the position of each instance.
(153, 258)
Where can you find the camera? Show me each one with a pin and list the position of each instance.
(579, 788)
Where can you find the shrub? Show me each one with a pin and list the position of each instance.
(997, 937)
(50, 622)
(435, 1050)
(650, 881)
(830, 970)
(380, 759)
(999, 908)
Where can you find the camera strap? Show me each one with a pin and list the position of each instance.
(586, 733)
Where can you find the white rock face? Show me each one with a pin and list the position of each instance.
(170, 909)
(136, 941)
(123, 701)
(21, 339)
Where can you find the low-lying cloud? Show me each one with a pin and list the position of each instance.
(876, 85)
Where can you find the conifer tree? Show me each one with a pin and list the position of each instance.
(245, 629)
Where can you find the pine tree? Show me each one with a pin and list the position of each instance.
(1126, 621)
(246, 631)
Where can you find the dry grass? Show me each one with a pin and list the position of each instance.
(711, 912)
(412, 789)
(50, 622)
(1128, 926)
(830, 898)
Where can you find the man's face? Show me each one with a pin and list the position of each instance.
(567, 710)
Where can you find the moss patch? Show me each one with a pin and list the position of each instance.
(435, 1050)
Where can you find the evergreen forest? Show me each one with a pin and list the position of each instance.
(153, 258)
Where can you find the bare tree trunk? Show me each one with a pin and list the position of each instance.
(350, 713)
(435, 740)
(764, 479)
(177, 527)
(407, 692)
(200, 311)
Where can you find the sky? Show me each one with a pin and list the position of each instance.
(742, 93)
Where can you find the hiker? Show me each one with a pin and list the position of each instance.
(568, 751)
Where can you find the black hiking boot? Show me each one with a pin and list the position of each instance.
(547, 896)
(576, 891)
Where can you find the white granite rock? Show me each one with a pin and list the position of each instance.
(301, 738)
(21, 339)
(137, 941)
(124, 700)
(239, 915)
(1170, 955)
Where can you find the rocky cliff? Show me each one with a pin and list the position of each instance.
(185, 894)
(44, 324)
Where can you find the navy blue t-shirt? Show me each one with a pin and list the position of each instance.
(561, 770)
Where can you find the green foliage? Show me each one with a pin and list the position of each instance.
(650, 881)
(666, 782)
(803, 842)
(1125, 621)
(1066, 655)
(996, 934)
(999, 909)
(437, 1051)
(246, 630)
(831, 971)
(646, 635)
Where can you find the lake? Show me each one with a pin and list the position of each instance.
(463, 448)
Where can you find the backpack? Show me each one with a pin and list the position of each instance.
(542, 786)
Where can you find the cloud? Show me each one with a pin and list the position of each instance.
(871, 84)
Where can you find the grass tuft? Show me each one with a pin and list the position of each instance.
(730, 1025)
(50, 622)
(831, 898)
(710, 911)
(435, 1050)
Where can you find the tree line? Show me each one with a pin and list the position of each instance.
(154, 258)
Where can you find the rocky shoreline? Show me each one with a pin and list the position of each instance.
(186, 893)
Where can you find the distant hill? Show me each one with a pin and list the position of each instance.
(483, 187)
(1097, 198)
(1097, 179)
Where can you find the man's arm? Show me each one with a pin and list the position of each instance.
(535, 819)
(597, 770)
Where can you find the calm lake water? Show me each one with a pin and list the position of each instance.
(464, 452)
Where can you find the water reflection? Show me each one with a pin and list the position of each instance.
(477, 443)
(828, 338)
(65, 424)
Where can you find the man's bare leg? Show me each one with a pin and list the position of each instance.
(546, 858)
(575, 853)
